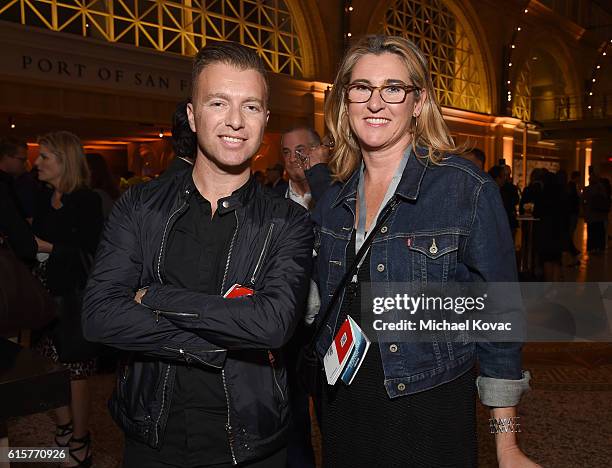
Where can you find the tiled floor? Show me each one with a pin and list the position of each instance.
(566, 417)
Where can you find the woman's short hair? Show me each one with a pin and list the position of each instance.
(68, 149)
(429, 129)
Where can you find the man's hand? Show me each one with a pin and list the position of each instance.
(513, 457)
(140, 294)
(43, 245)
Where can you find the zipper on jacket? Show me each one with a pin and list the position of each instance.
(229, 254)
(228, 426)
(163, 242)
(193, 356)
(175, 314)
(161, 411)
(271, 359)
(262, 254)
(159, 260)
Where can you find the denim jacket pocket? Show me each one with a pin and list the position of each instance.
(434, 256)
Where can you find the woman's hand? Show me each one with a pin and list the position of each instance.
(513, 457)
(43, 245)
(318, 154)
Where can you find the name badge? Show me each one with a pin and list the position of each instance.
(346, 353)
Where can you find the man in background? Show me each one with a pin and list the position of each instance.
(14, 228)
(275, 181)
(184, 142)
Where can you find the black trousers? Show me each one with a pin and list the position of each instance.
(138, 455)
(596, 235)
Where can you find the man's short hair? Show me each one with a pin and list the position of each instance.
(314, 137)
(9, 146)
(184, 141)
(228, 53)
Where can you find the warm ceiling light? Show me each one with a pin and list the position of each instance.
(350, 8)
(161, 133)
(349, 34)
(526, 10)
(513, 46)
(518, 29)
(598, 67)
(591, 93)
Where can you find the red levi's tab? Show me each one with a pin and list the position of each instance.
(238, 290)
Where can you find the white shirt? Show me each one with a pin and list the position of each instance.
(304, 200)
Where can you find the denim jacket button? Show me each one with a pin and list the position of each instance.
(433, 249)
(393, 348)
(380, 267)
(401, 387)
(383, 229)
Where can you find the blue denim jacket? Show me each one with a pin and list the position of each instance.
(459, 207)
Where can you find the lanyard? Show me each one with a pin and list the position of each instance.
(361, 233)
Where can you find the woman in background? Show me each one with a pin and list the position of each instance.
(67, 223)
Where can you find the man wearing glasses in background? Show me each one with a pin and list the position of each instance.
(306, 157)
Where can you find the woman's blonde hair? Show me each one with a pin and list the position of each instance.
(68, 149)
(429, 129)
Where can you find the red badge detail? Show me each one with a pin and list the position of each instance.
(409, 242)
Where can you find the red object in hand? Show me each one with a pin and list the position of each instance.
(238, 290)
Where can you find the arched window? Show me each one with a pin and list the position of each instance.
(521, 106)
(456, 68)
(182, 27)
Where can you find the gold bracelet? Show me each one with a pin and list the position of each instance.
(502, 425)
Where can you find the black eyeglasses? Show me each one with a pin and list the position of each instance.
(392, 94)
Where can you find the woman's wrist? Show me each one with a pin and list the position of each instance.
(504, 421)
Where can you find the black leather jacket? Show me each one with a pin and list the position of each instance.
(270, 252)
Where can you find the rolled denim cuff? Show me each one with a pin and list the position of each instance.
(501, 393)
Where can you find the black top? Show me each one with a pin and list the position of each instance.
(279, 187)
(74, 230)
(198, 247)
(362, 427)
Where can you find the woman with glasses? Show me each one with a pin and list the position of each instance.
(410, 404)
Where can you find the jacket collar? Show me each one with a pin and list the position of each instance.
(410, 183)
(237, 199)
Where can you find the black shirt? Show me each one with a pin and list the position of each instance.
(198, 247)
